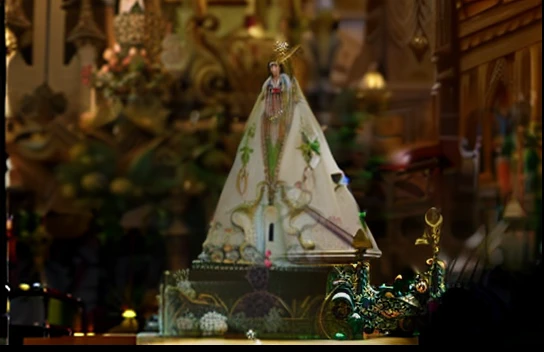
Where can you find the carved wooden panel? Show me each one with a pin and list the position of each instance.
(485, 21)
(471, 8)
(214, 2)
(504, 27)
(228, 2)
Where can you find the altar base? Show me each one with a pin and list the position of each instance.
(155, 339)
(278, 303)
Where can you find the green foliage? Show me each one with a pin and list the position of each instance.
(508, 146)
(363, 178)
(343, 139)
(141, 157)
(91, 167)
(309, 147)
(102, 177)
(140, 170)
(27, 224)
(532, 163)
(245, 149)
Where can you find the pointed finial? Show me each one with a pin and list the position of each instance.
(86, 29)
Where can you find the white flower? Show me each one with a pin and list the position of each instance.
(186, 323)
(213, 323)
(186, 288)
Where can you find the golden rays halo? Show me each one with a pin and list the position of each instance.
(284, 52)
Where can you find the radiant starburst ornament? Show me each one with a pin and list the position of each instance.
(283, 51)
(281, 47)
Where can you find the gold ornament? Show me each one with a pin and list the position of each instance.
(68, 191)
(86, 160)
(138, 192)
(11, 43)
(77, 151)
(120, 186)
(282, 52)
(419, 45)
(422, 286)
(93, 181)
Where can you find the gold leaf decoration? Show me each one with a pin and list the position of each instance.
(422, 241)
(419, 45)
(149, 117)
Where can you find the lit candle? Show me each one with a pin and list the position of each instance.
(250, 9)
(92, 98)
(200, 7)
(109, 16)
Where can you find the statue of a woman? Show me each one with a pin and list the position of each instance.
(285, 199)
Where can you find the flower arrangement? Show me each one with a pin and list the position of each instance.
(213, 324)
(130, 76)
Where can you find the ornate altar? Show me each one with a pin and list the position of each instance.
(325, 302)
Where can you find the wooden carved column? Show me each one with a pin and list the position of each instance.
(110, 15)
(445, 95)
(4, 249)
(16, 23)
(88, 38)
(446, 59)
(200, 7)
(536, 82)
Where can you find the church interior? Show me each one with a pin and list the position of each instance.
(125, 118)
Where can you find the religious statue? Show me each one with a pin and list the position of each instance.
(285, 200)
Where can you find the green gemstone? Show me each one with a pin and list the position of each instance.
(339, 336)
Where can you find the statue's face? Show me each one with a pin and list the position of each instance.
(274, 70)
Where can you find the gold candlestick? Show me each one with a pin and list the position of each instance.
(110, 15)
(200, 7)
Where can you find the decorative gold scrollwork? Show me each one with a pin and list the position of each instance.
(433, 227)
(241, 181)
